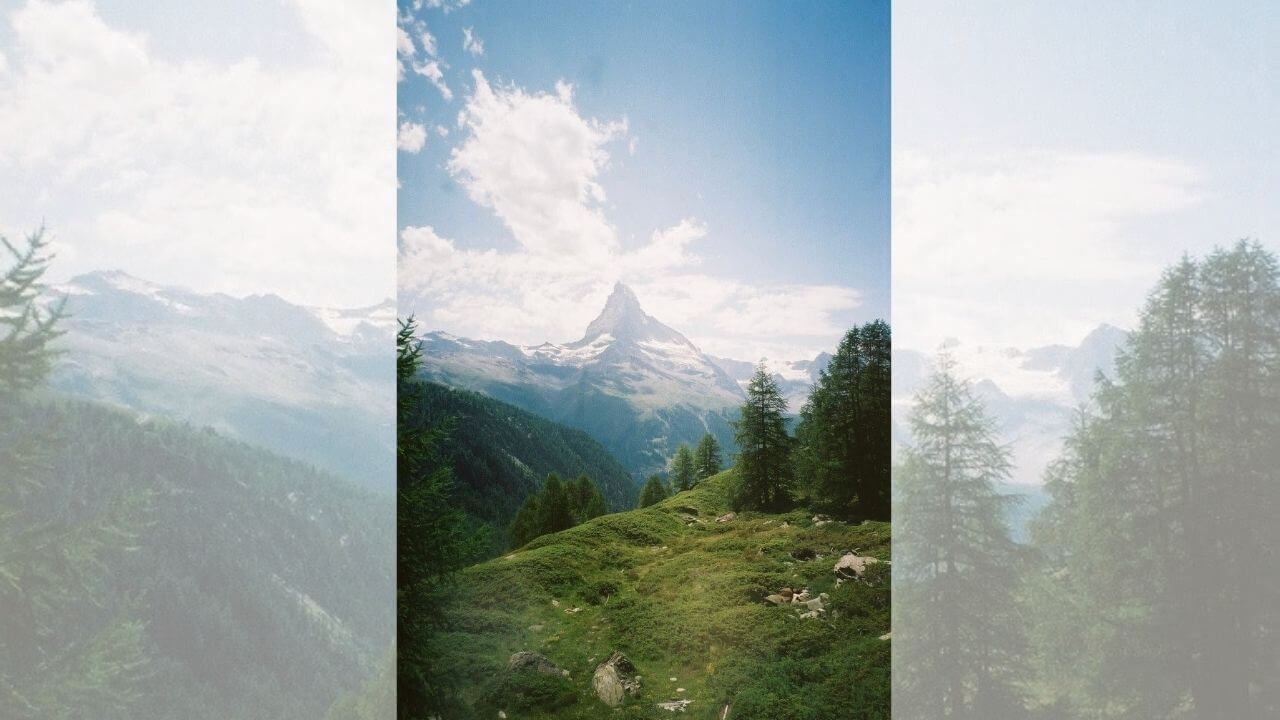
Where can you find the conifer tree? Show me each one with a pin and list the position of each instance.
(843, 435)
(1160, 535)
(588, 500)
(58, 656)
(958, 653)
(654, 491)
(435, 540)
(684, 473)
(707, 457)
(764, 464)
(555, 507)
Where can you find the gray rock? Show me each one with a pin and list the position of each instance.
(727, 517)
(675, 705)
(851, 566)
(525, 661)
(615, 679)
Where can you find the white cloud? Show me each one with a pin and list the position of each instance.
(442, 131)
(214, 175)
(411, 137)
(472, 43)
(428, 41)
(537, 163)
(432, 71)
(1028, 247)
(404, 43)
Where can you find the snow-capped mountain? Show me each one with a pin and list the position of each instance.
(635, 384)
(795, 377)
(316, 384)
(1032, 394)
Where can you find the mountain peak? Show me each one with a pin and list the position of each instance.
(624, 319)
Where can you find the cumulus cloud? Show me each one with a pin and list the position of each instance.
(213, 174)
(411, 137)
(538, 164)
(993, 245)
(471, 42)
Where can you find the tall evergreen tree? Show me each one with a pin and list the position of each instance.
(555, 507)
(1161, 528)
(684, 472)
(958, 653)
(435, 540)
(654, 491)
(588, 500)
(707, 457)
(59, 655)
(843, 435)
(764, 463)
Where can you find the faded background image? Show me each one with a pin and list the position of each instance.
(1087, 367)
(196, 428)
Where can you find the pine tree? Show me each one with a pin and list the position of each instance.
(764, 464)
(1161, 530)
(684, 472)
(843, 435)
(707, 457)
(588, 500)
(654, 491)
(958, 653)
(435, 540)
(59, 657)
(555, 507)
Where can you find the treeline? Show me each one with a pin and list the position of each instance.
(556, 506)
(839, 459)
(688, 467)
(1149, 588)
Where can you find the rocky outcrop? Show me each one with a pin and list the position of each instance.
(727, 517)
(851, 566)
(525, 661)
(615, 679)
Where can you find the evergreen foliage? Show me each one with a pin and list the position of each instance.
(707, 457)
(500, 455)
(684, 471)
(843, 448)
(958, 650)
(654, 491)
(764, 459)
(1160, 538)
(557, 506)
(435, 538)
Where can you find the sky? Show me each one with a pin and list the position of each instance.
(242, 146)
(1050, 159)
(728, 161)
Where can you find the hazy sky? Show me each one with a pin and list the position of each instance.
(729, 161)
(243, 146)
(1051, 158)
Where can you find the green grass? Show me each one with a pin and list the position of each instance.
(684, 602)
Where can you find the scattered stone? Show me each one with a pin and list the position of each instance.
(502, 714)
(673, 679)
(615, 679)
(572, 611)
(786, 593)
(887, 636)
(785, 524)
(679, 689)
(809, 615)
(776, 599)
(555, 602)
(525, 661)
(851, 566)
(727, 517)
(675, 705)
(802, 596)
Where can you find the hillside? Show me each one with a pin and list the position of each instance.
(500, 454)
(264, 586)
(314, 384)
(683, 596)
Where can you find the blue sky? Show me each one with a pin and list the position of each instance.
(765, 127)
(1051, 159)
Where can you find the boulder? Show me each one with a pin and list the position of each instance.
(615, 679)
(851, 566)
(727, 517)
(777, 599)
(675, 705)
(525, 661)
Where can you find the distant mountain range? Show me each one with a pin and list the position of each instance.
(1032, 394)
(316, 384)
(638, 386)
